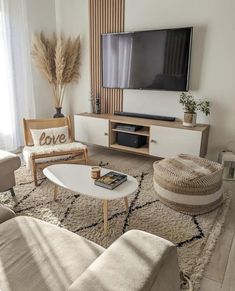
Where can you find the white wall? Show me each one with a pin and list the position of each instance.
(41, 17)
(72, 19)
(213, 60)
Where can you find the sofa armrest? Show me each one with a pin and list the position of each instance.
(137, 261)
(5, 213)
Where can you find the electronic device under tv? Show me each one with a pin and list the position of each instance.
(131, 140)
(147, 116)
(150, 60)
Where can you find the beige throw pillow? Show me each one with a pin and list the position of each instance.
(50, 136)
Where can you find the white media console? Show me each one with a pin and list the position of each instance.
(164, 138)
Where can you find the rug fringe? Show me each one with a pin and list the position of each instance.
(185, 282)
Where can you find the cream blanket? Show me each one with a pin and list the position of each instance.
(28, 151)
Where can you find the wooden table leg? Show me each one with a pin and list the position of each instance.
(55, 192)
(105, 209)
(126, 204)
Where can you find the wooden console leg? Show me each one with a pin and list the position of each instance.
(105, 209)
(126, 204)
(55, 192)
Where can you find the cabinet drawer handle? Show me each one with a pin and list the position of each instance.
(105, 133)
(153, 141)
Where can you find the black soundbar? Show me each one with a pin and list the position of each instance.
(148, 116)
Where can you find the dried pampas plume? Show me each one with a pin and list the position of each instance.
(58, 59)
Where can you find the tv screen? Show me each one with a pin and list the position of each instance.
(154, 60)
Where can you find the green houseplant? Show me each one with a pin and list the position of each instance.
(191, 106)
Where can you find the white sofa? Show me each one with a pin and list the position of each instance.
(38, 256)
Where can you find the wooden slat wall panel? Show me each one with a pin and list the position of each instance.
(105, 16)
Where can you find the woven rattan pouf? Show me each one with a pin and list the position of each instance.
(189, 184)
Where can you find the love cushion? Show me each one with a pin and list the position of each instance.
(50, 136)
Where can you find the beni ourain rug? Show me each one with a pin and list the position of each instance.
(194, 236)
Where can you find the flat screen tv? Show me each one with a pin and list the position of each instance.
(150, 60)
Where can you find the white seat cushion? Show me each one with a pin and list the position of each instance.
(38, 256)
(28, 151)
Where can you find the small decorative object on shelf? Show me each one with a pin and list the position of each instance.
(95, 172)
(227, 159)
(92, 103)
(190, 106)
(97, 105)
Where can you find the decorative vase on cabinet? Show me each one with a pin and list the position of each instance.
(190, 119)
(58, 113)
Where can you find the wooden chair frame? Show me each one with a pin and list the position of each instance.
(77, 155)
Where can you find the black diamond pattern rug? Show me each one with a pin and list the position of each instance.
(194, 236)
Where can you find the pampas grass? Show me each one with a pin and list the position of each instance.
(58, 59)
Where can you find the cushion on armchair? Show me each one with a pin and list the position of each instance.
(28, 151)
(50, 136)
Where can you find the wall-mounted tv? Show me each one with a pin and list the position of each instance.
(150, 60)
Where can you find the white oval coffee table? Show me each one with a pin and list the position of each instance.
(77, 178)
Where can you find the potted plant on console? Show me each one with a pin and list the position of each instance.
(191, 106)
